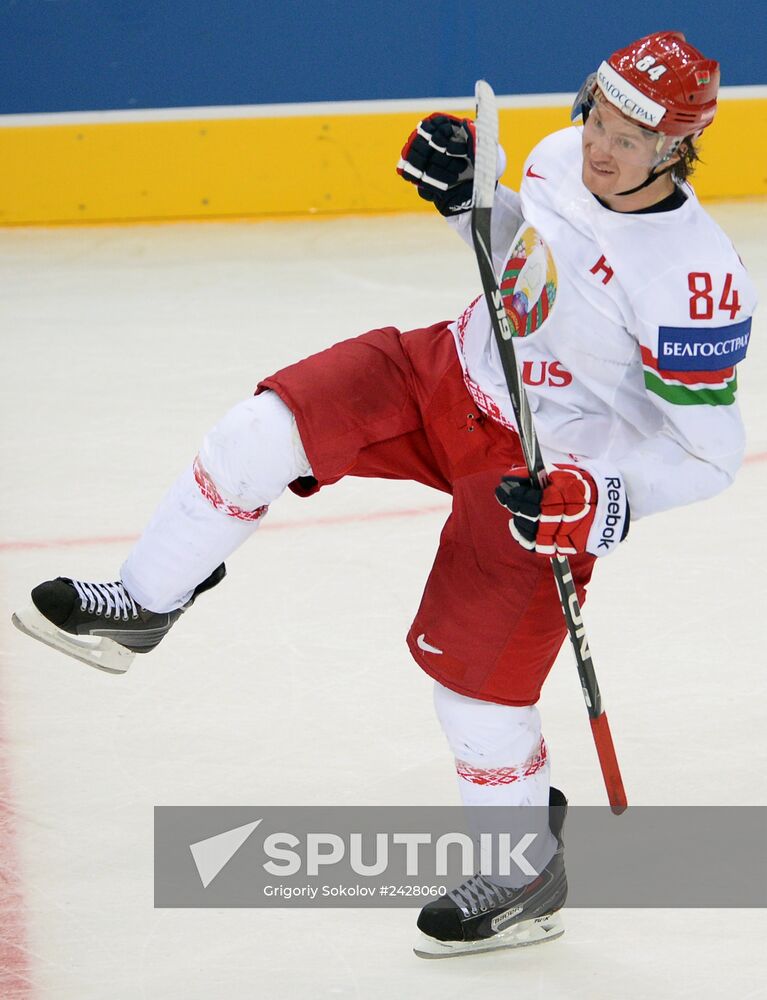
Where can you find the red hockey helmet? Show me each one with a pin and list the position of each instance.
(660, 82)
(671, 74)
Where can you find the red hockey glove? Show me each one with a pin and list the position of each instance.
(579, 510)
(439, 158)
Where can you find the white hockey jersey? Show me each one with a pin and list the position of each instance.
(633, 364)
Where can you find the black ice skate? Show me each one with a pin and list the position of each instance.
(481, 916)
(99, 623)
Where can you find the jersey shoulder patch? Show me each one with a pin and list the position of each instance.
(695, 365)
(707, 348)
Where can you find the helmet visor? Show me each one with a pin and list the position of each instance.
(584, 101)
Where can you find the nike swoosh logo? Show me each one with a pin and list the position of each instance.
(530, 173)
(424, 645)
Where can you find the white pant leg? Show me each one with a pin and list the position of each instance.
(245, 463)
(501, 760)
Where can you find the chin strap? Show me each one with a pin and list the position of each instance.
(652, 176)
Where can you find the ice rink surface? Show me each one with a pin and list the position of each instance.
(291, 683)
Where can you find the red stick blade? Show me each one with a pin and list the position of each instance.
(609, 763)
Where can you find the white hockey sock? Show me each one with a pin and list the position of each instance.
(245, 463)
(501, 760)
(182, 544)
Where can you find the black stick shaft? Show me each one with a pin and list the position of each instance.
(481, 223)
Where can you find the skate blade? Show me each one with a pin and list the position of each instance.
(536, 931)
(97, 651)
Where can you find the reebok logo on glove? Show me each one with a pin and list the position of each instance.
(616, 500)
(578, 510)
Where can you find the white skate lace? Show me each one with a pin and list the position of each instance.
(476, 895)
(111, 600)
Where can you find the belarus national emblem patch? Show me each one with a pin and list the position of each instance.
(528, 283)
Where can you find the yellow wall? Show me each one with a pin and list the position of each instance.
(282, 166)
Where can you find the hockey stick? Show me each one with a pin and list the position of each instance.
(484, 191)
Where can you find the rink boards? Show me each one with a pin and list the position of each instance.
(291, 159)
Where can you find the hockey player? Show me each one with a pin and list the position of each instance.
(633, 311)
